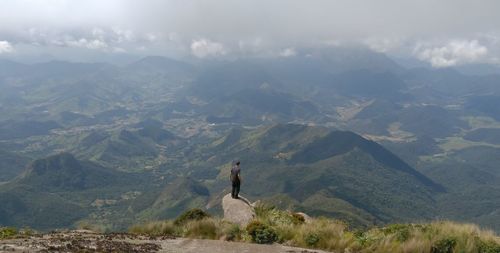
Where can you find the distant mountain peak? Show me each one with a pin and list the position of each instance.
(341, 142)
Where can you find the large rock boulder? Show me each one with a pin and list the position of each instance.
(238, 211)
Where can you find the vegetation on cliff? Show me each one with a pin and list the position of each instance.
(276, 226)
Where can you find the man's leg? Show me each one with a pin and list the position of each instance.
(233, 190)
(237, 190)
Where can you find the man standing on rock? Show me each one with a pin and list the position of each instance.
(235, 179)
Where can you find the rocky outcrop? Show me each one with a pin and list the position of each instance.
(239, 211)
(307, 218)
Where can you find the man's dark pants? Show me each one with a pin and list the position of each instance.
(236, 189)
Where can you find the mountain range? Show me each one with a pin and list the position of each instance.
(344, 132)
(292, 164)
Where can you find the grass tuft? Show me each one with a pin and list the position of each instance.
(202, 229)
(157, 228)
(8, 232)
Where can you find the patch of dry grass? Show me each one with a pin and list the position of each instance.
(157, 228)
(334, 235)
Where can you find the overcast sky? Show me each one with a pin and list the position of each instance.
(441, 32)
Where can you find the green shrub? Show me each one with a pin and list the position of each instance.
(270, 214)
(401, 231)
(262, 210)
(311, 239)
(265, 236)
(360, 237)
(261, 233)
(7, 232)
(275, 217)
(424, 228)
(191, 215)
(445, 245)
(489, 247)
(233, 233)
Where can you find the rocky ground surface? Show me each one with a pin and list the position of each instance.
(86, 241)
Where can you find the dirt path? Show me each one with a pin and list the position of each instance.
(209, 246)
(84, 241)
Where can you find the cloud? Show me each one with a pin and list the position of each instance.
(455, 52)
(5, 47)
(383, 45)
(256, 27)
(204, 48)
(125, 35)
(288, 52)
(94, 44)
(92, 38)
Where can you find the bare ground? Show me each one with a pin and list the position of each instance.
(85, 241)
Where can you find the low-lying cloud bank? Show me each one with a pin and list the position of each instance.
(443, 33)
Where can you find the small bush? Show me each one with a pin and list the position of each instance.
(262, 210)
(233, 233)
(445, 245)
(402, 231)
(311, 239)
(191, 215)
(361, 237)
(273, 216)
(7, 232)
(265, 236)
(489, 247)
(261, 233)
